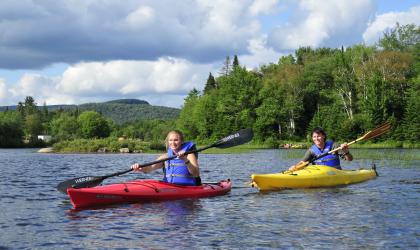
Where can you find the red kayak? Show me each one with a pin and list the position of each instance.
(143, 190)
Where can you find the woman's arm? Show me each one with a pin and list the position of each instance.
(137, 167)
(192, 164)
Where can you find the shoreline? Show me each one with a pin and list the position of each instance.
(238, 149)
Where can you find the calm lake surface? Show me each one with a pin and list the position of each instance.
(383, 213)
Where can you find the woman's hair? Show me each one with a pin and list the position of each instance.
(179, 133)
(319, 130)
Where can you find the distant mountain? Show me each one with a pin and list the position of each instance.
(128, 101)
(121, 111)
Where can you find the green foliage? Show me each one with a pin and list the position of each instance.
(210, 84)
(11, 132)
(124, 112)
(411, 122)
(236, 101)
(346, 91)
(229, 107)
(148, 130)
(401, 38)
(33, 125)
(186, 122)
(92, 125)
(64, 127)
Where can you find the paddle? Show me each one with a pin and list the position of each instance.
(378, 131)
(238, 138)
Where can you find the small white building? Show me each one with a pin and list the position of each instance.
(45, 138)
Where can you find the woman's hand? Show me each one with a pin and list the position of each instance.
(181, 155)
(137, 167)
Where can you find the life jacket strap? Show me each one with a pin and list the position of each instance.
(179, 175)
(176, 164)
(326, 160)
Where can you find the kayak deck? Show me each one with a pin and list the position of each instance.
(313, 176)
(143, 191)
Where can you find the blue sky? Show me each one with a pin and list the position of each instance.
(78, 51)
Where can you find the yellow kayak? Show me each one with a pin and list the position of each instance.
(313, 176)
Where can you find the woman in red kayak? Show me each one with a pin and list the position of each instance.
(184, 169)
(322, 145)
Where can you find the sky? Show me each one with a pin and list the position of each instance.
(79, 51)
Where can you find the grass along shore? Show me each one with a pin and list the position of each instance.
(115, 145)
(107, 145)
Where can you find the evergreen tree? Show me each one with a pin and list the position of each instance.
(235, 63)
(194, 93)
(210, 84)
(30, 105)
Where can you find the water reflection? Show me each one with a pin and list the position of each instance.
(176, 212)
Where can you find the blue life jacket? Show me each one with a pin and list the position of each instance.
(331, 160)
(176, 171)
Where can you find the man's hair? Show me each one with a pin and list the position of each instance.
(319, 130)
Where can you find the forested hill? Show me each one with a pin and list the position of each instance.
(121, 111)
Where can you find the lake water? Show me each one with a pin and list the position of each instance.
(383, 213)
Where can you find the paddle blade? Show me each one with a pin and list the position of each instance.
(80, 182)
(238, 138)
(378, 131)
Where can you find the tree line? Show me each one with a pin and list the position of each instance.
(21, 127)
(346, 91)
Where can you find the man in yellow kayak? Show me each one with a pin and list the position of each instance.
(322, 146)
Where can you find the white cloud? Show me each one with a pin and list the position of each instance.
(259, 54)
(42, 88)
(131, 78)
(141, 17)
(163, 82)
(263, 7)
(31, 85)
(3, 90)
(332, 23)
(38, 33)
(389, 20)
